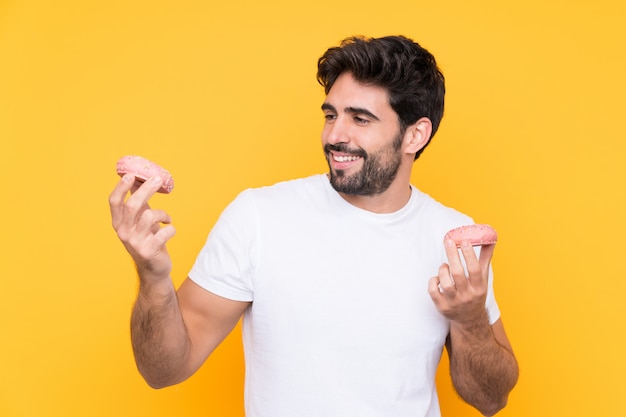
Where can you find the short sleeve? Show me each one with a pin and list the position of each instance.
(225, 265)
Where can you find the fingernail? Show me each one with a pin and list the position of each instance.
(127, 177)
(465, 244)
(450, 243)
(156, 180)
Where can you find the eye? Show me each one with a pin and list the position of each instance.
(361, 120)
(330, 117)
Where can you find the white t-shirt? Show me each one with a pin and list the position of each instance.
(341, 322)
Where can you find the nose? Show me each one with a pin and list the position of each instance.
(336, 132)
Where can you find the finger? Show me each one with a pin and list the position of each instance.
(474, 273)
(434, 288)
(143, 191)
(116, 198)
(151, 218)
(486, 254)
(137, 203)
(445, 282)
(151, 253)
(164, 235)
(454, 261)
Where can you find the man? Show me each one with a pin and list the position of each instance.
(347, 292)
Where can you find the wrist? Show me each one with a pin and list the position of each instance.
(147, 273)
(475, 327)
(155, 284)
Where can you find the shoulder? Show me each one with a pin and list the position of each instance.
(290, 192)
(282, 198)
(295, 186)
(438, 216)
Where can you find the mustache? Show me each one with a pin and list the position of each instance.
(343, 148)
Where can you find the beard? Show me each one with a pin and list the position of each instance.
(375, 176)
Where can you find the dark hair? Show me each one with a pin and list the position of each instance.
(407, 71)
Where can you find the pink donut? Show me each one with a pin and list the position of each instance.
(475, 234)
(143, 170)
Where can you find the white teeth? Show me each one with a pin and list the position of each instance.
(345, 158)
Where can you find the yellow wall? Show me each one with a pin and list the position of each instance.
(225, 97)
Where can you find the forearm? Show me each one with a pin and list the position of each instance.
(159, 338)
(483, 371)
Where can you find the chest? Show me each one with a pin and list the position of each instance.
(349, 284)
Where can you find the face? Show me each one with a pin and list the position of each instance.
(361, 138)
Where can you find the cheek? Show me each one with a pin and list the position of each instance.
(373, 140)
(324, 133)
(326, 130)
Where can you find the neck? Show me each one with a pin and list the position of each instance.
(389, 201)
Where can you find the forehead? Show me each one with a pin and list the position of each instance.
(347, 92)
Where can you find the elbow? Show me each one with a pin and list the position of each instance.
(157, 380)
(495, 403)
(499, 398)
(489, 402)
(156, 384)
(493, 408)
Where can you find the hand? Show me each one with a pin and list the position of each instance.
(139, 227)
(460, 297)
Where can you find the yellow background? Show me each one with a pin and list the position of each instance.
(224, 95)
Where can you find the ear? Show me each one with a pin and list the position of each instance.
(417, 135)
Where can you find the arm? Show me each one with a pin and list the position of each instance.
(172, 333)
(482, 365)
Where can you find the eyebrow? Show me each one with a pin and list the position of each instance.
(357, 110)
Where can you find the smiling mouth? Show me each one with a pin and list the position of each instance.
(344, 158)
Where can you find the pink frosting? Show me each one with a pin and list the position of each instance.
(144, 169)
(476, 234)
